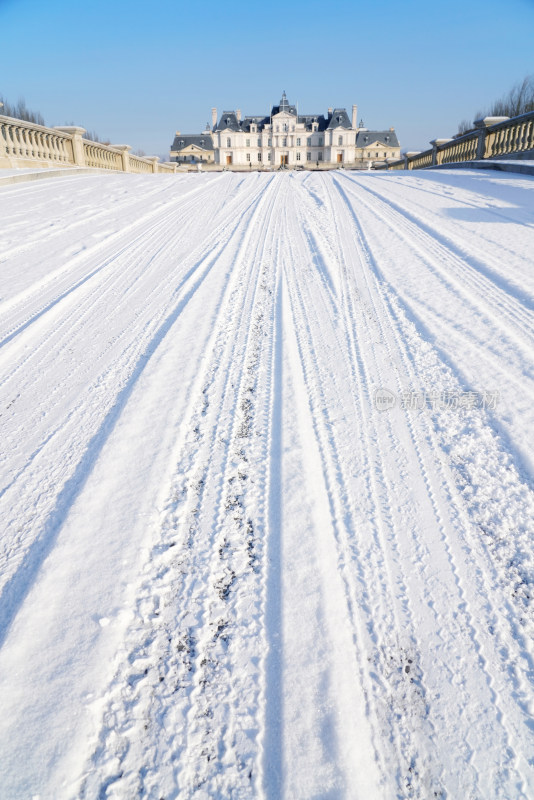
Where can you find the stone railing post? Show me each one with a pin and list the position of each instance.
(436, 144)
(125, 155)
(76, 135)
(154, 160)
(482, 126)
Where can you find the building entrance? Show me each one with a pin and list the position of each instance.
(284, 160)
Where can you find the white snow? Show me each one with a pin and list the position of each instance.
(224, 572)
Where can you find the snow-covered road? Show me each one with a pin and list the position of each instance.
(267, 486)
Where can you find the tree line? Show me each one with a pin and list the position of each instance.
(519, 100)
(19, 110)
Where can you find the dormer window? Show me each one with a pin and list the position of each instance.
(202, 142)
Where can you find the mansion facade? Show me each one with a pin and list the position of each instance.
(286, 139)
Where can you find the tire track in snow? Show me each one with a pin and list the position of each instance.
(467, 276)
(116, 372)
(25, 560)
(80, 217)
(196, 572)
(236, 527)
(473, 335)
(485, 650)
(158, 219)
(370, 549)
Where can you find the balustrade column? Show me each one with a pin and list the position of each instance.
(75, 135)
(3, 147)
(436, 153)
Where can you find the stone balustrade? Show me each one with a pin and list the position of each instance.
(101, 157)
(514, 136)
(140, 165)
(25, 145)
(24, 141)
(494, 137)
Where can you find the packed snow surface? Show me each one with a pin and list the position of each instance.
(267, 486)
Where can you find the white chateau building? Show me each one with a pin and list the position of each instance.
(286, 138)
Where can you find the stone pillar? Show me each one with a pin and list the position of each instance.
(154, 160)
(213, 118)
(355, 117)
(482, 125)
(76, 135)
(436, 143)
(125, 155)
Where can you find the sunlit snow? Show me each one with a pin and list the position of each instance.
(267, 486)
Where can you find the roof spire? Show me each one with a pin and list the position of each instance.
(284, 105)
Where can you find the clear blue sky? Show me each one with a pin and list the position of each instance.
(135, 72)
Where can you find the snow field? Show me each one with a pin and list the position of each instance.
(224, 572)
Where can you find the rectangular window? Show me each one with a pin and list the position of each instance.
(308, 156)
(269, 142)
(248, 156)
(320, 156)
(228, 142)
(309, 141)
(284, 142)
(298, 156)
(259, 156)
(259, 142)
(268, 156)
(247, 143)
(340, 140)
(298, 142)
(320, 141)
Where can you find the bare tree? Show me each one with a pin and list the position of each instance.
(20, 111)
(519, 100)
(94, 137)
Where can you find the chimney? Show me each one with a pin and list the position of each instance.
(238, 115)
(330, 112)
(177, 133)
(355, 117)
(214, 117)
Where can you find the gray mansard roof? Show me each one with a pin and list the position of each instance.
(260, 121)
(339, 119)
(309, 119)
(229, 121)
(388, 138)
(202, 140)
